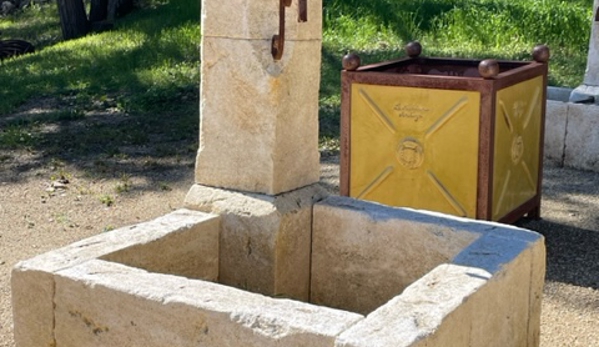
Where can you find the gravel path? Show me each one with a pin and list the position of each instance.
(35, 219)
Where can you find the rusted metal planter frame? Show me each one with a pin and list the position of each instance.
(510, 73)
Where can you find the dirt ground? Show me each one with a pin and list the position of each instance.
(46, 203)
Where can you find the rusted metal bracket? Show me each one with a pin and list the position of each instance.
(278, 41)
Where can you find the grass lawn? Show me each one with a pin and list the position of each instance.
(148, 65)
(378, 30)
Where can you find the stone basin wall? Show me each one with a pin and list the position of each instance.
(411, 278)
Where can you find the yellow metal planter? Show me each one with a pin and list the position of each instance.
(434, 134)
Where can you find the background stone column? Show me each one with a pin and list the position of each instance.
(591, 76)
(588, 92)
(259, 116)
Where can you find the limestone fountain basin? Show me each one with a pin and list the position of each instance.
(380, 276)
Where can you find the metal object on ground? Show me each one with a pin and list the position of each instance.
(13, 48)
(457, 136)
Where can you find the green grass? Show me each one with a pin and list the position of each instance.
(379, 29)
(149, 60)
(148, 65)
(117, 97)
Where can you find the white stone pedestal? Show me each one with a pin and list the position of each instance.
(588, 92)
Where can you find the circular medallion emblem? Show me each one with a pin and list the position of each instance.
(517, 149)
(410, 153)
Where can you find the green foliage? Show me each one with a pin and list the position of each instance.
(474, 28)
(149, 59)
(106, 200)
(110, 98)
(503, 25)
(124, 185)
(378, 29)
(14, 135)
(147, 66)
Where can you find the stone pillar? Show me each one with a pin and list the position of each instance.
(258, 115)
(258, 161)
(588, 92)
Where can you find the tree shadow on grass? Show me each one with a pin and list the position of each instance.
(102, 110)
(102, 144)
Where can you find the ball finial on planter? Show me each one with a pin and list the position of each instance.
(488, 68)
(351, 62)
(413, 49)
(541, 54)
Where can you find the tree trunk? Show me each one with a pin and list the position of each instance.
(124, 7)
(98, 11)
(119, 8)
(73, 19)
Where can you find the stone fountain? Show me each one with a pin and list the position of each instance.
(261, 255)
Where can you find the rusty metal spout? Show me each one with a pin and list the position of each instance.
(278, 41)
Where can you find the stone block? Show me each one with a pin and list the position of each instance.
(516, 262)
(33, 287)
(558, 93)
(107, 304)
(489, 296)
(259, 118)
(259, 20)
(556, 117)
(424, 307)
(33, 309)
(265, 240)
(190, 251)
(364, 254)
(582, 139)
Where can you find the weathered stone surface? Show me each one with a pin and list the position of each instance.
(490, 296)
(250, 19)
(516, 259)
(259, 117)
(585, 94)
(190, 251)
(495, 301)
(107, 304)
(556, 116)
(33, 309)
(364, 254)
(537, 285)
(582, 139)
(419, 311)
(33, 285)
(265, 240)
(591, 76)
(558, 93)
